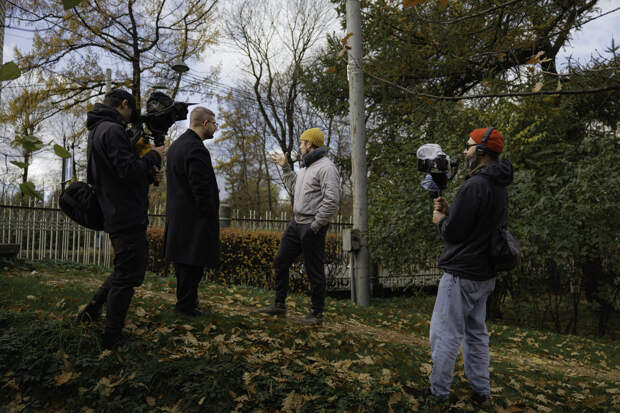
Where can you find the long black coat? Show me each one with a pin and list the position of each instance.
(192, 234)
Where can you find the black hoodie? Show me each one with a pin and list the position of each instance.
(481, 204)
(120, 177)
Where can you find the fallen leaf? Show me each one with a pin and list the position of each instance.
(65, 377)
(293, 402)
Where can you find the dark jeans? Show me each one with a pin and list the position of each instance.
(297, 239)
(130, 259)
(188, 278)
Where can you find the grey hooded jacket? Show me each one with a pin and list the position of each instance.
(315, 189)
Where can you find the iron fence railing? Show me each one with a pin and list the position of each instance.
(45, 233)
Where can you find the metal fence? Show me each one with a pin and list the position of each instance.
(43, 232)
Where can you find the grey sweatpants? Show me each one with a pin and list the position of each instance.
(459, 319)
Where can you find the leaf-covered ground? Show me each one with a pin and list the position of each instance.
(372, 359)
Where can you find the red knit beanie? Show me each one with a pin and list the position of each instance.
(495, 142)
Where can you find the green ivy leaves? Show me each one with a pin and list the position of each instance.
(9, 71)
(61, 152)
(30, 191)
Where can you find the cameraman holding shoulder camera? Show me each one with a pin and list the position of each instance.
(121, 180)
(459, 316)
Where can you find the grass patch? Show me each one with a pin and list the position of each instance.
(375, 359)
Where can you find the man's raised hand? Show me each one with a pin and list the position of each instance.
(279, 159)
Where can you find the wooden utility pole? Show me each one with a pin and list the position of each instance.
(360, 281)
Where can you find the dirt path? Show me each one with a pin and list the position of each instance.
(517, 357)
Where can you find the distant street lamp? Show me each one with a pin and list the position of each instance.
(180, 67)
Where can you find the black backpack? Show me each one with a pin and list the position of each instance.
(505, 253)
(79, 201)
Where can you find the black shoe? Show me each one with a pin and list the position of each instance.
(274, 309)
(110, 341)
(195, 312)
(89, 313)
(313, 319)
(481, 400)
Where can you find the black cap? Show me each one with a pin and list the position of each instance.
(124, 95)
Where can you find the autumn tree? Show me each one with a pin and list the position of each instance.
(432, 70)
(26, 109)
(275, 39)
(140, 40)
(243, 149)
(436, 70)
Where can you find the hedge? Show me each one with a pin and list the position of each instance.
(246, 258)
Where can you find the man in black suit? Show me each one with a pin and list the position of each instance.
(192, 236)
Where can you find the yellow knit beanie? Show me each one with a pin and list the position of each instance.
(314, 136)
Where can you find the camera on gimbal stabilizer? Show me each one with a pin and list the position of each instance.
(438, 166)
(161, 113)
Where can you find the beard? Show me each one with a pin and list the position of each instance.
(472, 162)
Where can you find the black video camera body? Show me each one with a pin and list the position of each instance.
(438, 166)
(161, 113)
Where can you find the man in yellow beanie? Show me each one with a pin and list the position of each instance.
(316, 196)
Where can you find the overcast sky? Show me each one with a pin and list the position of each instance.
(592, 38)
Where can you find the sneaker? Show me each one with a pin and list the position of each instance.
(433, 401)
(110, 341)
(274, 309)
(481, 400)
(313, 319)
(89, 313)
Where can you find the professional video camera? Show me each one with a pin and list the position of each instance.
(161, 113)
(438, 166)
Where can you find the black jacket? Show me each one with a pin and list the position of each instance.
(120, 177)
(192, 234)
(481, 204)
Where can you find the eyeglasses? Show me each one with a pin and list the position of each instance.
(469, 145)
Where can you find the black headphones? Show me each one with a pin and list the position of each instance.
(481, 148)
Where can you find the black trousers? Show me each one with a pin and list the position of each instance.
(298, 239)
(130, 259)
(188, 278)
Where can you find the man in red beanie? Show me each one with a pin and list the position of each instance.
(459, 316)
